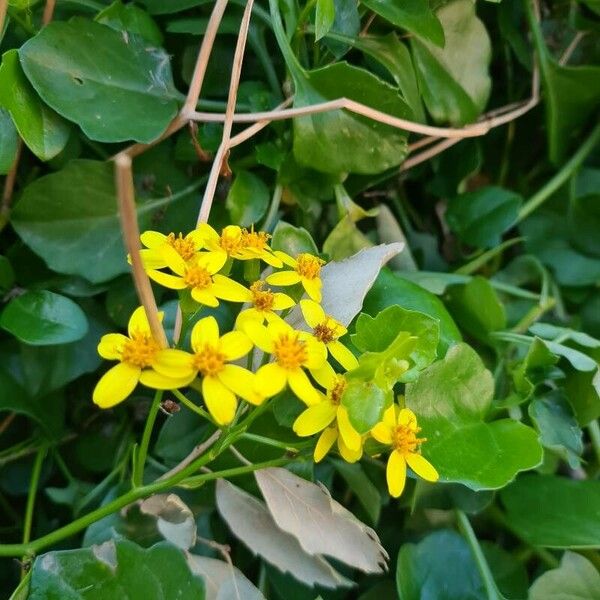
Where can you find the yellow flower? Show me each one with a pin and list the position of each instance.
(137, 354)
(399, 430)
(319, 417)
(292, 351)
(158, 244)
(200, 276)
(221, 381)
(306, 270)
(264, 303)
(327, 330)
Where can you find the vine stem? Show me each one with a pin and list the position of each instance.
(138, 476)
(193, 407)
(465, 528)
(33, 486)
(594, 433)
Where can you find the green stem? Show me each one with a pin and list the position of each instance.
(33, 486)
(484, 570)
(274, 443)
(562, 176)
(291, 61)
(478, 262)
(256, 37)
(594, 433)
(138, 476)
(269, 221)
(193, 407)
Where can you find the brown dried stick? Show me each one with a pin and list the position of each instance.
(3, 11)
(131, 237)
(48, 11)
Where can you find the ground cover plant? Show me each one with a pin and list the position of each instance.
(299, 299)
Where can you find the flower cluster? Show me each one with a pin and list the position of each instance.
(199, 265)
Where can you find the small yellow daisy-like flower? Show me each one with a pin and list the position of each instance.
(306, 270)
(200, 276)
(264, 303)
(399, 430)
(255, 245)
(330, 417)
(292, 351)
(137, 354)
(221, 381)
(327, 330)
(158, 244)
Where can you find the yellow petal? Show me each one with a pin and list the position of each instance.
(315, 418)
(250, 314)
(316, 352)
(302, 387)
(138, 322)
(407, 417)
(312, 288)
(111, 345)
(115, 385)
(396, 474)
(220, 401)
(259, 335)
(158, 381)
(351, 437)
(230, 290)
(204, 297)
(422, 467)
(197, 238)
(282, 301)
(271, 259)
(348, 455)
(343, 355)
(285, 258)
(205, 331)
(324, 376)
(325, 442)
(313, 313)
(173, 259)
(174, 363)
(390, 416)
(151, 259)
(283, 278)
(153, 239)
(241, 382)
(212, 261)
(173, 282)
(235, 344)
(270, 380)
(382, 433)
(206, 232)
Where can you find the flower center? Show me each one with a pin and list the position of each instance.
(185, 248)
(209, 361)
(230, 243)
(338, 389)
(139, 350)
(405, 440)
(309, 266)
(262, 299)
(324, 332)
(197, 277)
(255, 240)
(290, 352)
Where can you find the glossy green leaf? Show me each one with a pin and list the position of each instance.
(583, 393)
(451, 400)
(554, 511)
(365, 402)
(534, 368)
(454, 80)
(125, 570)
(293, 240)
(415, 16)
(583, 212)
(576, 577)
(480, 218)
(8, 140)
(130, 18)
(324, 18)
(123, 90)
(44, 132)
(346, 23)
(247, 200)
(391, 289)
(44, 318)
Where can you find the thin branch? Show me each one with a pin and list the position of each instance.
(427, 154)
(238, 59)
(247, 133)
(48, 11)
(199, 450)
(9, 185)
(3, 11)
(131, 237)
(564, 59)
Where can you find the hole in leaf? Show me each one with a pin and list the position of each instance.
(78, 80)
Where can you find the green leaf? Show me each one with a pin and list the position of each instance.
(576, 577)
(123, 90)
(44, 318)
(414, 16)
(365, 402)
(451, 400)
(366, 492)
(125, 570)
(390, 289)
(477, 308)
(248, 199)
(9, 140)
(70, 219)
(7, 274)
(130, 18)
(583, 394)
(324, 18)
(292, 240)
(554, 511)
(480, 218)
(583, 214)
(339, 141)
(534, 368)
(346, 23)
(44, 132)
(454, 80)
(558, 428)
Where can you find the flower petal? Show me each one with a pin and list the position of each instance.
(174, 363)
(316, 352)
(407, 417)
(212, 261)
(153, 239)
(313, 288)
(242, 382)
(283, 278)
(382, 433)
(315, 418)
(235, 344)
(205, 331)
(220, 401)
(151, 259)
(312, 312)
(197, 237)
(390, 416)
(351, 437)
(207, 232)
(302, 387)
(230, 290)
(111, 345)
(325, 442)
(282, 301)
(115, 385)
(259, 335)
(173, 259)
(205, 297)
(422, 467)
(348, 455)
(158, 381)
(270, 380)
(343, 355)
(138, 322)
(173, 282)
(396, 474)
(271, 259)
(324, 376)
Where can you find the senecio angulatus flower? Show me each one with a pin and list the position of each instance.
(238, 368)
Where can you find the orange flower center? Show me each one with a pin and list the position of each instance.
(197, 277)
(324, 332)
(184, 247)
(309, 266)
(255, 240)
(290, 352)
(405, 440)
(230, 243)
(140, 350)
(338, 389)
(209, 361)
(262, 299)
